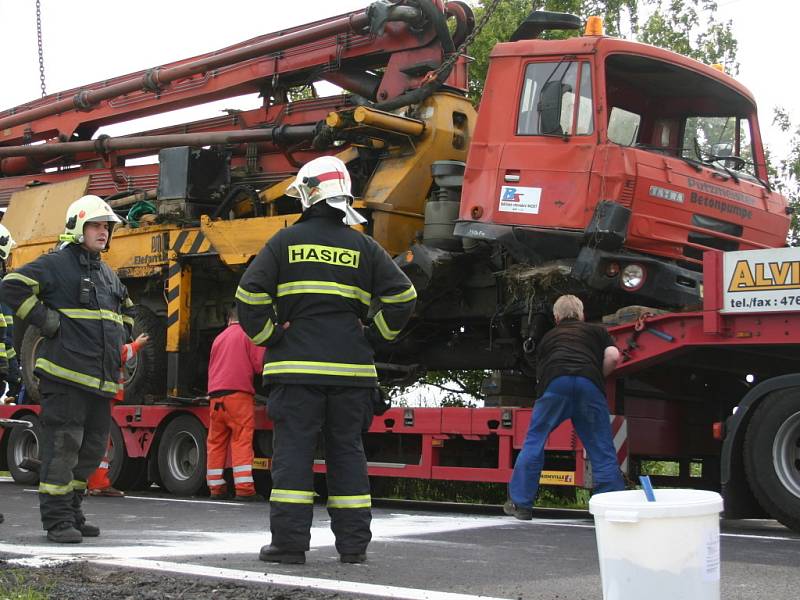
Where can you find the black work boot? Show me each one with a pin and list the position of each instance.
(88, 530)
(523, 513)
(250, 498)
(64, 533)
(272, 554)
(353, 559)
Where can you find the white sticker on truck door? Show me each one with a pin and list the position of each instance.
(520, 199)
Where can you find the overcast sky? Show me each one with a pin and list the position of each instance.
(89, 40)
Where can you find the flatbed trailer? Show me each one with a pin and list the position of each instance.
(715, 391)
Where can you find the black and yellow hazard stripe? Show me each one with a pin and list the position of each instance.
(191, 241)
(173, 293)
(174, 273)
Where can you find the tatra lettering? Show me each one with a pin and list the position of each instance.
(343, 257)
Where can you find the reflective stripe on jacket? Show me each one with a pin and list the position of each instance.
(324, 278)
(85, 352)
(11, 353)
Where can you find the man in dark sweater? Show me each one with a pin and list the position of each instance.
(573, 361)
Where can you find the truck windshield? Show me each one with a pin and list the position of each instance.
(663, 107)
(556, 114)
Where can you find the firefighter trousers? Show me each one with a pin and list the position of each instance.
(74, 435)
(232, 421)
(299, 414)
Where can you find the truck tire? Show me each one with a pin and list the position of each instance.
(182, 456)
(147, 376)
(124, 472)
(772, 455)
(28, 352)
(24, 443)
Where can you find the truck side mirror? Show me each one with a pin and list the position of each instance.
(550, 108)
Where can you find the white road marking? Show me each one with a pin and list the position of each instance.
(174, 543)
(352, 587)
(327, 537)
(760, 537)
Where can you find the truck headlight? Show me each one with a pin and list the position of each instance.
(633, 277)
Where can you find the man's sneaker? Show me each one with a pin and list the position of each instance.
(250, 498)
(523, 513)
(353, 559)
(64, 533)
(272, 554)
(109, 491)
(88, 530)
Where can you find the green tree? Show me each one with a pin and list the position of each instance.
(685, 26)
(786, 173)
(456, 388)
(689, 27)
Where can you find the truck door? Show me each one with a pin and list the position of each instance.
(543, 174)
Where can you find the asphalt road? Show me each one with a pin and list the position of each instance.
(414, 554)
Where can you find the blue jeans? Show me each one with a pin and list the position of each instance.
(567, 397)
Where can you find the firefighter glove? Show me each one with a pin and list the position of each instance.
(51, 324)
(381, 402)
(14, 386)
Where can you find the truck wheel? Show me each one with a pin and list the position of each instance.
(146, 374)
(124, 472)
(24, 443)
(29, 351)
(182, 456)
(772, 455)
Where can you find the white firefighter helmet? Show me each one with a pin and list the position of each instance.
(6, 242)
(84, 210)
(325, 178)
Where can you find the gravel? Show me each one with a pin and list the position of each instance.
(85, 581)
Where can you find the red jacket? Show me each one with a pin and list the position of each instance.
(234, 361)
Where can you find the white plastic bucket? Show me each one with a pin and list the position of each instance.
(662, 550)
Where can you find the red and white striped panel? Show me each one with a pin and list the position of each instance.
(619, 431)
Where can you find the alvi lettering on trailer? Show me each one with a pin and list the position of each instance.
(761, 281)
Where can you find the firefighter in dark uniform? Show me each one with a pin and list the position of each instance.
(305, 297)
(9, 365)
(82, 310)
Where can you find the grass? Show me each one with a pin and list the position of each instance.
(14, 586)
(473, 493)
(670, 468)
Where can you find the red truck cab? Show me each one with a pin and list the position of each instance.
(627, 159)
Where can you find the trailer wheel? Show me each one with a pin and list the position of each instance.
(24, 443)
(182, 456)
(146, 373)
(124, 472)
(772, 455)
(29, 351)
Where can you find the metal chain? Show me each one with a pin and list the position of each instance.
(450, 60)
(39, 39)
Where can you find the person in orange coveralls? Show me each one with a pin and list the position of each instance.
(234, 361)
(98, 483)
